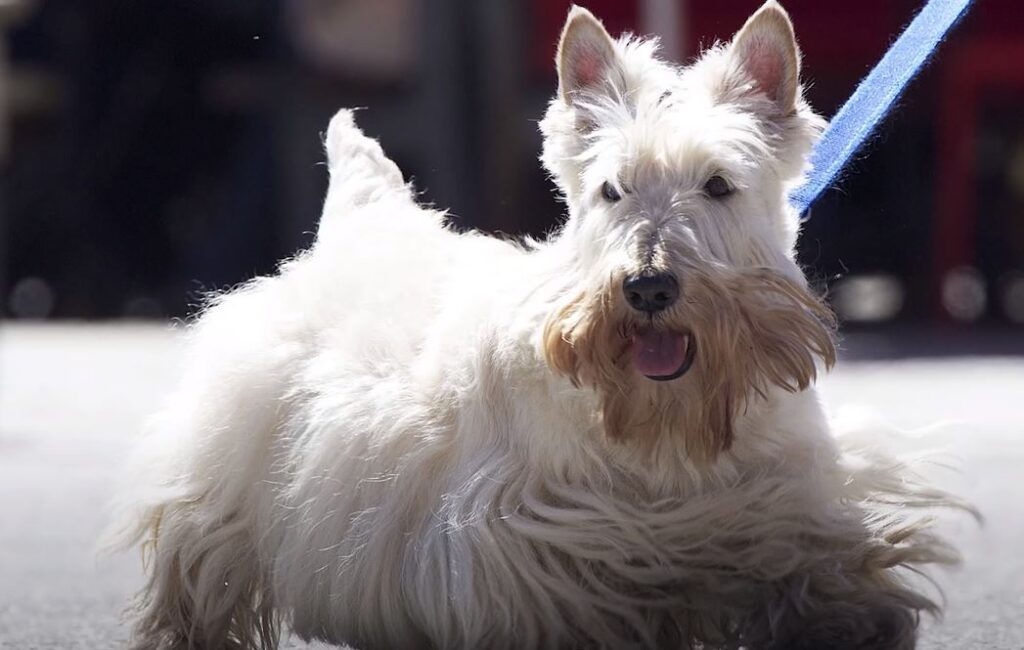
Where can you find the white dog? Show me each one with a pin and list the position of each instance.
(413, 438)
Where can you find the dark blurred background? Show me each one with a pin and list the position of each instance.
(155, 149)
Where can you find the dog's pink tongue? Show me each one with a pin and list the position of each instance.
(658, 353)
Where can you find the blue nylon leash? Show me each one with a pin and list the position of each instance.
(875, 96)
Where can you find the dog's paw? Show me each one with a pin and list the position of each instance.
(881, 628)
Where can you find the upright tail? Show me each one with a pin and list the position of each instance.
(360, 172)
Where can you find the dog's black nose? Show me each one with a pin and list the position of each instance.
(651, 292)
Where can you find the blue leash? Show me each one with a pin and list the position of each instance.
(875, 95)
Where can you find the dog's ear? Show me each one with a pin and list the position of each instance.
(765, 54)
(586, 59)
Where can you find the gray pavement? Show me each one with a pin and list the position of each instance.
(73, 397)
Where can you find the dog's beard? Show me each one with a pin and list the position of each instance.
(753, 329)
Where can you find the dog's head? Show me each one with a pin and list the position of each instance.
(689, 302)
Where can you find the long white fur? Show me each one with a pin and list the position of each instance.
(371, 448)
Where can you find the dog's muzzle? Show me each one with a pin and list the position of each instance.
(658, 354)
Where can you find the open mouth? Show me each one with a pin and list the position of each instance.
(662, 355)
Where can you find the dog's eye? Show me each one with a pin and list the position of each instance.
(609, 192)
(717, 187)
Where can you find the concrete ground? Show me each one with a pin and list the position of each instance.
(73, 397)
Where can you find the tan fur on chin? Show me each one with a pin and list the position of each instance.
(753, 329)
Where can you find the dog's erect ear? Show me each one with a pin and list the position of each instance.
(586, 56)
(767, 53)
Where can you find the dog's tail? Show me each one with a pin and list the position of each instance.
(360, 172)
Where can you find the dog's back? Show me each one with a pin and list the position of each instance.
(362, 303)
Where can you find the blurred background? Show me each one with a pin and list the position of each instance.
(154, 149)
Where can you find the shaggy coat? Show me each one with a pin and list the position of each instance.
(414, 438)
